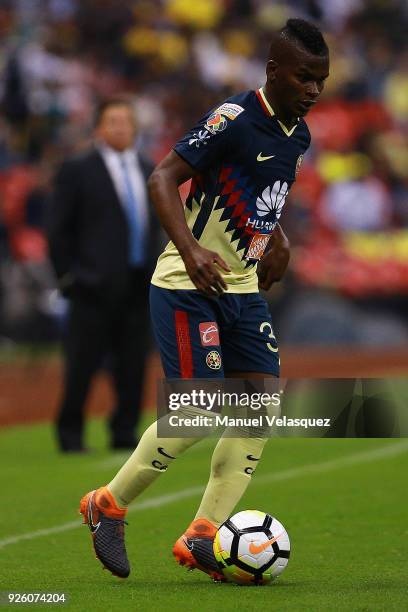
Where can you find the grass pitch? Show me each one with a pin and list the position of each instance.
(343, 503)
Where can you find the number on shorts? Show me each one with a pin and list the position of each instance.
(267, 325)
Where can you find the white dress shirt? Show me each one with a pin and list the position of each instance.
(113, 160)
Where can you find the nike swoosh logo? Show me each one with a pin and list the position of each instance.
(254, 549)
(187, 543)
(92, 527)
(263, 157)
(252, 458)
(161, 451)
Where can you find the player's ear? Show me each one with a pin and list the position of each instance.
(271, 68)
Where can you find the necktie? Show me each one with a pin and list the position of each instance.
(136, 246)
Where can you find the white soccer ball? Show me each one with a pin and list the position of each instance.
(252, 547)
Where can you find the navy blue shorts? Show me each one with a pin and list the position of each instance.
(200, 337)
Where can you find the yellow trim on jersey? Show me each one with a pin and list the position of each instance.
(272, 112)
(170, 272)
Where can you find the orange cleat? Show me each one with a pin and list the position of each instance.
(194, 549)
(106, 522)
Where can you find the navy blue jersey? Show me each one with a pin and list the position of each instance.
(246, 161)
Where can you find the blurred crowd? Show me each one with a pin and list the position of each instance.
(347, 216)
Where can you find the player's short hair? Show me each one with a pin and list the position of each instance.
(105, 103)
(307, 35)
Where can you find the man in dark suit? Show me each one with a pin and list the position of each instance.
(102, 240)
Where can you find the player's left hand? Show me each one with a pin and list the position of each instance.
(273, 264)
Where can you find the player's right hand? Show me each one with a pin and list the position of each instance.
(202, 267)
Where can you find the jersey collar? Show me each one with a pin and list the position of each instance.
(270, 112)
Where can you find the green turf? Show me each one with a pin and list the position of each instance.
(347, 524)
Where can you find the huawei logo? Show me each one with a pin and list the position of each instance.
(272, 199)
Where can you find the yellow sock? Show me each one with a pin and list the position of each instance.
(151, 458)
(232, 465)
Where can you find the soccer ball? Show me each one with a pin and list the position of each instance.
(252, 547)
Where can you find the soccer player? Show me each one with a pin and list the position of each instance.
(208, 317)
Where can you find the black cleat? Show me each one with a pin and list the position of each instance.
(194, 549)
(107, 525)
